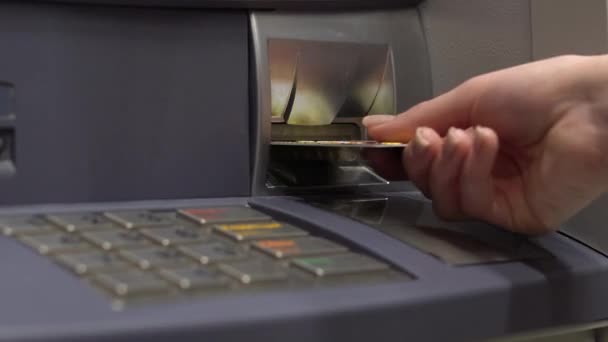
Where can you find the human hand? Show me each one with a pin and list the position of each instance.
(524, 148)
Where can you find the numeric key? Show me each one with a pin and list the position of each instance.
(25, 225)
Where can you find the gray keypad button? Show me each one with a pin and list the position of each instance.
(116, 238)
(339, 264)
(133, 283)
(80, 221)
(92, 262)
(213, 251)
(196, 278)
(176, 235)
(254, 270)
(143, 218)
(211, 215)
(56, 243)
(158, 257)
(246, 231)
(25, 225)
(306, 246)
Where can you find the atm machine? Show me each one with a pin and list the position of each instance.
(197, 170)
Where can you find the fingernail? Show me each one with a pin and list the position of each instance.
(453, 137)
(480, 132)
(420, 144)
(375, 120)
(421, 138)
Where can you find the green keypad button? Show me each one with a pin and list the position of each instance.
(196, 278)
(340, 264)
(25, 225)
(56, 243)
(93, 262)
(81, 221)
(133, 283)
(223, 214)
(254, 270)
(175, 235)
(143, 218)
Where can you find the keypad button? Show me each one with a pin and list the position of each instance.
(26, 225)
(174, 235)
(143, 218)
(92, 262)
(306, 246)
(133, 283)
(56, 243)
(213, 251)
(80, 221)
(258, 230)
(223, 214)
(116, 238)
(339, 264)
(195, 278)
(147, 258)
(255, 270)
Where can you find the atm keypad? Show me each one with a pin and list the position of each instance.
(167, 253)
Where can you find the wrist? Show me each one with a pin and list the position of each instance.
(589, 80)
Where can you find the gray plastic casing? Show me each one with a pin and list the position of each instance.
(252, 4)
(125, 103)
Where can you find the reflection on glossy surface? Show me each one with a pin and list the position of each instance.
(384, 103)
(313, 82)
(412, 221)
(283, 60)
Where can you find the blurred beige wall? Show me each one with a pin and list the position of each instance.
(569, 26)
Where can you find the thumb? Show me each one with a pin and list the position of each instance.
(451, 109)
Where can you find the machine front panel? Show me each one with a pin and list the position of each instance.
(116, 103)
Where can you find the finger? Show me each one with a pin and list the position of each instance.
(419, 155)
(375, 120)
(446, 173)
(477, 187)
(452, 109)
